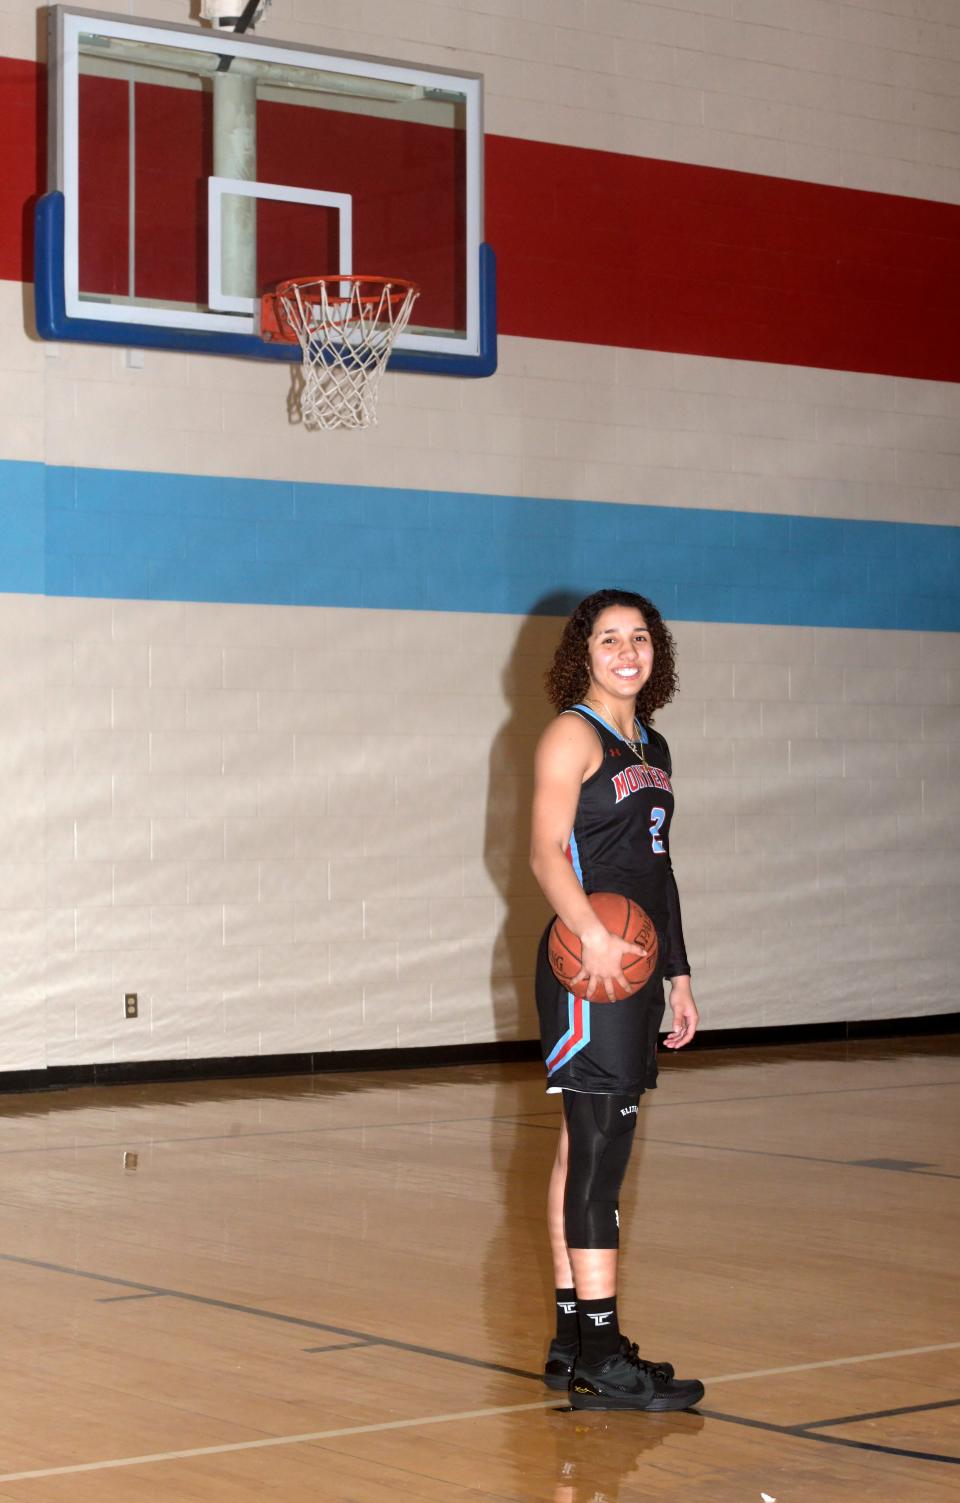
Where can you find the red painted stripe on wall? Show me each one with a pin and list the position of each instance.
(601, 248)
(23, 110)
(607, 249)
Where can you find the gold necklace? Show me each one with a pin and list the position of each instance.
(636, 746)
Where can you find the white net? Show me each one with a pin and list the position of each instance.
(346, 327)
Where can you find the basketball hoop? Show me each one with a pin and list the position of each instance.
(346, 327)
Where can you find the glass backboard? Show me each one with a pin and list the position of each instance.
(192, 170)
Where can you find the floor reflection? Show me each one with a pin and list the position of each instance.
(598, 1456)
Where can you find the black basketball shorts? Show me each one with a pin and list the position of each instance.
(606, 1048)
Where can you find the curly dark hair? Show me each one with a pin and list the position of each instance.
(568, 677)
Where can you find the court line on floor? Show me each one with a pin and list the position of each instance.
(667, 1106)
(807, 1158)
(121, 1299)
(807, 1367)
(258, 1313)
(314, 1436)
(301, 1322)
(291, 1132)
(873, 1414)
(940, 1457)
(341, 1346)
(797, 1432)
(273, 1440)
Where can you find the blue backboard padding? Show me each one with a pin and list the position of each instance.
(54, 323)
(122, 534)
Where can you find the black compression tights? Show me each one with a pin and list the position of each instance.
(600, 1131)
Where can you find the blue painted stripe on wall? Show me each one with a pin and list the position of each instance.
(22, 546)
(130, 534)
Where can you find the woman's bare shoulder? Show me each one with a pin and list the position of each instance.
(568, 739)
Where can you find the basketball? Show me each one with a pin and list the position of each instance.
(621, 916)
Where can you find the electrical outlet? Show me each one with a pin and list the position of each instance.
(130, 1006)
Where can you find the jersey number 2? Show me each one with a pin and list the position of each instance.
(656, 824)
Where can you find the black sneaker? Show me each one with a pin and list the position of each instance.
(626, 1381)
(559, 1365)
(561, 1359)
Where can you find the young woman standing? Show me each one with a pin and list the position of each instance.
(601, 823)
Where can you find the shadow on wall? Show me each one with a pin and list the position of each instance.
(522, 910)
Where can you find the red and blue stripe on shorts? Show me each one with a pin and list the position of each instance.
(578, 1008)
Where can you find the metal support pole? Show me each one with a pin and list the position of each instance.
(235, 155)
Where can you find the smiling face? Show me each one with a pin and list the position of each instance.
(619, 653)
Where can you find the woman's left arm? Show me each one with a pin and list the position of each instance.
(685, 1015)
(676, 966)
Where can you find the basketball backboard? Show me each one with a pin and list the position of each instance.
(191, 170)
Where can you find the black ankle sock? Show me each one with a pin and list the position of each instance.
(568, 1327)
(599, 1329)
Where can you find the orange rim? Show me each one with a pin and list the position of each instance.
(274, 323)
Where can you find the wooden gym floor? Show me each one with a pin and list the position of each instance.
(337, 1288)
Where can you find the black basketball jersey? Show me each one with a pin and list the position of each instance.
(621, 835)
